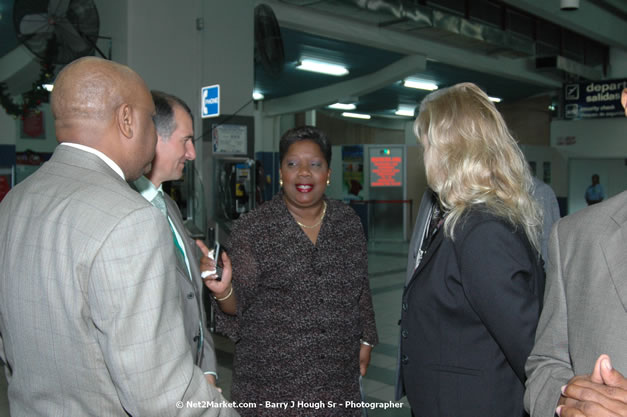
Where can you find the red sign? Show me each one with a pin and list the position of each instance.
(4, 187)
(33, 124)
(385, 170)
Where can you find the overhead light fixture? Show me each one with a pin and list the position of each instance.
(569, 5)
(257, 95)
(494, 99)
(356, 115)
(420, 84)
(405, 110)
(322, 67)
(343, 106)
(48, 87)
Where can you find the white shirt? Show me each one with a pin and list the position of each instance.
(100, 155)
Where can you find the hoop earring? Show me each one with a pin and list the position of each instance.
(281, 182)
(328, 181)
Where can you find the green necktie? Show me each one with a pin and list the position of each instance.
(159, 202)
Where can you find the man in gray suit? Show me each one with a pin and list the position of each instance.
(545, 197)
(90, 319)
(175, 146)
(584, 317)
(417, 245)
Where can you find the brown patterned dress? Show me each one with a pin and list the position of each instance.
(301, 311)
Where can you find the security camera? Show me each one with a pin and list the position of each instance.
(568, 5)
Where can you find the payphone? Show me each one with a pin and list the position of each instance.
(234, 180)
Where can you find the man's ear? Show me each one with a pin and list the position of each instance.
(124, 119)
(623, 99)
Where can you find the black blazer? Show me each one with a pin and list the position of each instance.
(469, 317)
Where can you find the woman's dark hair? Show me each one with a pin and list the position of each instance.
(305, 133)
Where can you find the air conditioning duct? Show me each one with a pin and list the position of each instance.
(568, 66)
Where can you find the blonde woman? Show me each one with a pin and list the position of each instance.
(471, 308)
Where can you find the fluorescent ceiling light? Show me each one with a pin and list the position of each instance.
(494, 99)
(356, 115)
(420, 84)
(322, 67)
(405, 110)
(48, 86)
(342, 106)
(257, 95)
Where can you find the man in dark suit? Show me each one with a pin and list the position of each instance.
(414, 256)
(175, 146)
(88, 321)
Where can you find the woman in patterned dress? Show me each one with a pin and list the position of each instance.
(299, 306)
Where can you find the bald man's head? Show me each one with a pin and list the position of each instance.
(91, 89)
(106, 106)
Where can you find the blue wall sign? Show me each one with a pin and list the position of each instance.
(594, 99)
(210, 101)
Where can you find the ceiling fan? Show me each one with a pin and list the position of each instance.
(60, 30)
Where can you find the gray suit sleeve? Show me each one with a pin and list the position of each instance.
(210, 362)
(548, 367)
(137, 314)
(2, 354)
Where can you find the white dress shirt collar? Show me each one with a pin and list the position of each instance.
(146, 188)
(100, 155)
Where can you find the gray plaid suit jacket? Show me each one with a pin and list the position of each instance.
(585, 302)
(90, 320)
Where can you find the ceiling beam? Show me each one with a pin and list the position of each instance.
(355, 87)
(329, 25)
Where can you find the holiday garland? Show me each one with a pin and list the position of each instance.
(37, 94)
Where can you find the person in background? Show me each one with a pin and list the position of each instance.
(260, 182)
(175, 146)
(417, 247)
(298, 305)
(594, 193)
(88, 321)
(546, 199)
(4, 187)
(470, 309)
(579, 360)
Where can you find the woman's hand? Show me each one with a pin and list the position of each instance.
(364, 358)
(219, 288)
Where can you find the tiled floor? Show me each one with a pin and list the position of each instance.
(386, 263)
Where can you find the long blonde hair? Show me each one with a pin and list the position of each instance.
(471, 158)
